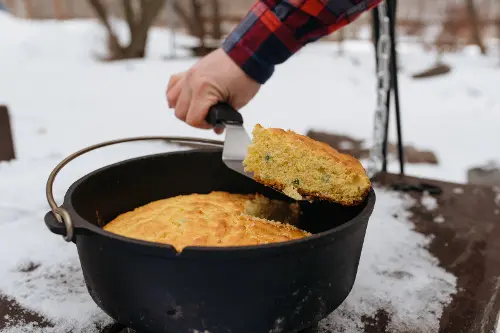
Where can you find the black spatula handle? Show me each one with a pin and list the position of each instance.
(222, 114)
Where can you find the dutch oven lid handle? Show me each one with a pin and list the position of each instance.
(62, 214)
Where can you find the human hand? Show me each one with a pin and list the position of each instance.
(215, 78)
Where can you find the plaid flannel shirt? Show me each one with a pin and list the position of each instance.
(273, 30)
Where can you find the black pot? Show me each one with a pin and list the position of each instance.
(282, 287)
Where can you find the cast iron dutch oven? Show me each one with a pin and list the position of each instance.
(281, 287)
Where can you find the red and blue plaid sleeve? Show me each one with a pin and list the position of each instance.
(273, 30)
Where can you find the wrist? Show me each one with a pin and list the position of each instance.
(249, 62)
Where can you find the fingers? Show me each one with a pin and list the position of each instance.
(174, 79)
(182, 103)
(201, 102)
(174, 88)
(213, 78)
(190, 106)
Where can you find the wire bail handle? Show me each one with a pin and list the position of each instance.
(383, 86)
(62, 215)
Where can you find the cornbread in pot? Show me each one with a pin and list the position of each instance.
(303, 168)
(214, 219)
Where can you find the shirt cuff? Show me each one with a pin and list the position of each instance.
(260, 42)
(248, 61)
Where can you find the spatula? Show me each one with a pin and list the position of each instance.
(236, 142)
(223, 115)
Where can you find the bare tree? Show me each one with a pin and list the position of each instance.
(498, 28)
(139, 20)
(216, 20)
(195, 24)
(498, 38)
(196, 10)
(21, 8)
(194, 21)
(340, 40)
(475, 26)
(452, 23)
(59, 10)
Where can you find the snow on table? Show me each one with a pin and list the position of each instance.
(396, 273)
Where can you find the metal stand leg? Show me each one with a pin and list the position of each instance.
(398, 186)
(393, 83)
(7, 152)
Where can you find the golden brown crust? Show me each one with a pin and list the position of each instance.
(215, 219)
(318, 147)
(350, 186)
(312, 195)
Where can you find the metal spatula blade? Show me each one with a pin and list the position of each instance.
(237, 140)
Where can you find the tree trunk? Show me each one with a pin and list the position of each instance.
(340, 41)
(216, 20)
(195, 25)
(498, 30)
(186, 19)
(101, 12)
(474, 24)
(139, 26)
(70, 9)
(59, 11)
(139, 21)
(498, 38)
(198, 18)
(25, 9)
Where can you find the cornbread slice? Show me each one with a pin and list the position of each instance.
(214, 219)
(303, 168)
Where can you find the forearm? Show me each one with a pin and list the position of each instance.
(274, 30)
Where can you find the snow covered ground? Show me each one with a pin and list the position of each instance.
(61, 99)
(56, 91)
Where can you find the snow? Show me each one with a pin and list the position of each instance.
(428, 201)
(439, 219)
(396, 274)
(496, 189)
(62, 99)
(498, 323)
(66, 87)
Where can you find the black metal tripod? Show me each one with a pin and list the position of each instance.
(394, 88)
(391, 12)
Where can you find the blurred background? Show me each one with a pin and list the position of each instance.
(446, 25)
(77, 72)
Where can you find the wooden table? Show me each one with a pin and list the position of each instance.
(467, 244)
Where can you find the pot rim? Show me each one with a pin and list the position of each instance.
(81, 223)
